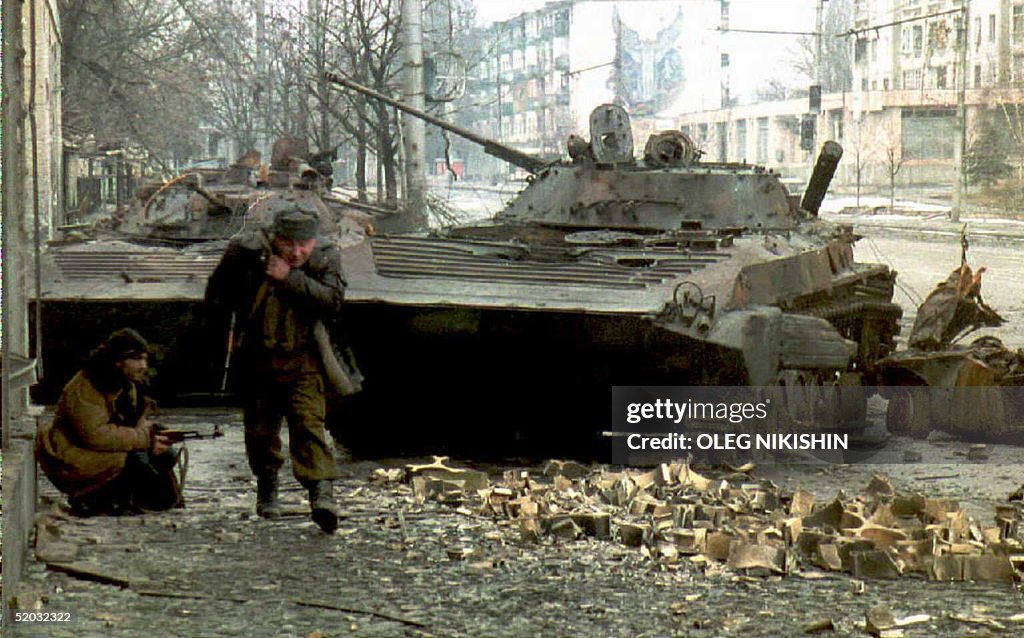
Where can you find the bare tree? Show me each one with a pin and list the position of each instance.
(128, 74)
(860, 155)
(893, 164)
(837, 59)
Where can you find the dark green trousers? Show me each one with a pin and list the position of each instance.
(292, 391)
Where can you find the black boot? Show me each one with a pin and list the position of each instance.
(321, 502)
(267, 505)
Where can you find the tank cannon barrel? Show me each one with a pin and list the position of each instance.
(824, 169)
(522, 160)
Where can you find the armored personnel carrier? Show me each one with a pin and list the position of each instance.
(147, 267)
(606, 270)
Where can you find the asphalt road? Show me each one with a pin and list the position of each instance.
(923, 263)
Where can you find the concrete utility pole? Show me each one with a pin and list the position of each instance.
(960, 150)
(414, 133)
(818, 58)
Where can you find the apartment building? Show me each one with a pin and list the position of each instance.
(542, 72)
(902, 110)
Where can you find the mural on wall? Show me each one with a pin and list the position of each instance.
(648, 74)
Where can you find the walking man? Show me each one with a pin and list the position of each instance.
(277, 286)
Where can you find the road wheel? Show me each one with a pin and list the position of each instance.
(903, 415)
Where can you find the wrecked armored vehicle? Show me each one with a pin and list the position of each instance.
(147, 267)
(606, 271)
(974, 390)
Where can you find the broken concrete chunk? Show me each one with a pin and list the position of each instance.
(824, 624)
(826, 516)
(569, 469)
(802, 503)
(827, 557)
(529, 530)
(945, 568)
(988, 567)
(631, 534)
(939, 509)
(912, 456)
(717, 545)
(434, 489)
(875, 564)
(595, 524)
(750, 556)
(882, 537)
(690, 541)
(879, 486)
(57, 552)
(912, 555)
(910, 506)
(977, 452)
(466, 479)
(688, 478)
(878, 619)
(565, 529)
(387, 475)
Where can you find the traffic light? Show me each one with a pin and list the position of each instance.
(807, 126)
(814, 99)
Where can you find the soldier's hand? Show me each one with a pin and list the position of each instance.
(277, 268)
(161, 443)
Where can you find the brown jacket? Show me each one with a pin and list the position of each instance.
(84, 448)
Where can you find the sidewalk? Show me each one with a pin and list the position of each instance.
(921, 220)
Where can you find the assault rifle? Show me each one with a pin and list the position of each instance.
(177, 436)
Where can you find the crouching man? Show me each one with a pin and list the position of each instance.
(101, 450)
(278, 286)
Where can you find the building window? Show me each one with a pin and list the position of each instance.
(977, 32)
(1017, 23)
(703, 133)
(913, 40)
(885, 84)
(912, 79)
(762, 140)
(1018, 68)
(977, 76)
(836, 122)
(863, 84)
(991, 27)
(928, 133)
(741, 140)
(722, 133)
(940, 77)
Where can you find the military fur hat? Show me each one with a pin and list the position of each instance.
(124, 344)
(296, 221)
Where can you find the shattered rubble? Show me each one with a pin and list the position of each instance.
(673, 513)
